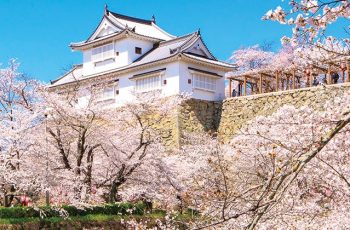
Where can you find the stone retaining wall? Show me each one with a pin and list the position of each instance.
(228, 116)
(236, 112)
(199, 116)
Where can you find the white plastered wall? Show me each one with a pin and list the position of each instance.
(126, 55)
(185, 74)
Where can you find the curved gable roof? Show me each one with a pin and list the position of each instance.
(119, 22)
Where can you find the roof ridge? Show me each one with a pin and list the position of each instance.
(109, 20)
(188, 43)
(208, 49)
(177, 38)
(126, 30)
(134, 19)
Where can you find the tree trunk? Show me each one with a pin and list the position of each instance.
(113, 193)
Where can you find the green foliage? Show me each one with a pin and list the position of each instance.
(18, 212)
(109, 209)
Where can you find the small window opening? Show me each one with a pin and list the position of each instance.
(138, 50)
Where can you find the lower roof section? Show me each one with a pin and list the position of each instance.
(75, 75)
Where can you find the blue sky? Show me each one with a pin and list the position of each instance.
(38, 32)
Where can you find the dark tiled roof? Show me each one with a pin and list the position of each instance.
(147, 73)
(138, 20)
(204, 71)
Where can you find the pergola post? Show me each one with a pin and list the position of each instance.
(260, 83)
(347, 71)
(293, 79)
(229, 87)
(311, 80)
(245, 85)
(239, 88)
(329, 77)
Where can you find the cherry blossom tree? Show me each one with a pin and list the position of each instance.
(252, 58)
(103, 152)
(20, 117)
(135, 145)
(74, 141)
(287, 170)
(310, 20)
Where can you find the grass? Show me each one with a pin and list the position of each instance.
(90, 218)
(99, 221)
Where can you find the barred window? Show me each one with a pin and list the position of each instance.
(102, 53)
(148, 83)
(108, 93)
(204, 82)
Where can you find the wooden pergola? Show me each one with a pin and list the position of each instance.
(265, 81)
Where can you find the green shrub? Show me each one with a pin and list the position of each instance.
(18, 212)
(108, 209)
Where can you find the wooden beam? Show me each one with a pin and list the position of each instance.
(267, 75)
(318, 67)
(245, 85)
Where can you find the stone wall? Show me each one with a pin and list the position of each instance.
(236, 112)
(199, 116)
(228, 116)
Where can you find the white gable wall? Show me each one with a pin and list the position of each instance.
(199, 48)
(103, 29)
(132, 43)
(125, 48)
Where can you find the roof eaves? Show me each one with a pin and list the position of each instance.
(211, 62)
(64, 75)
(147, 73)
(119, 71)
(81, 44)
(205, 72)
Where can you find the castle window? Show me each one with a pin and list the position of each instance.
(108, 93)
(204, 82)
(138, 50)
(102, 53)
(148, 83)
